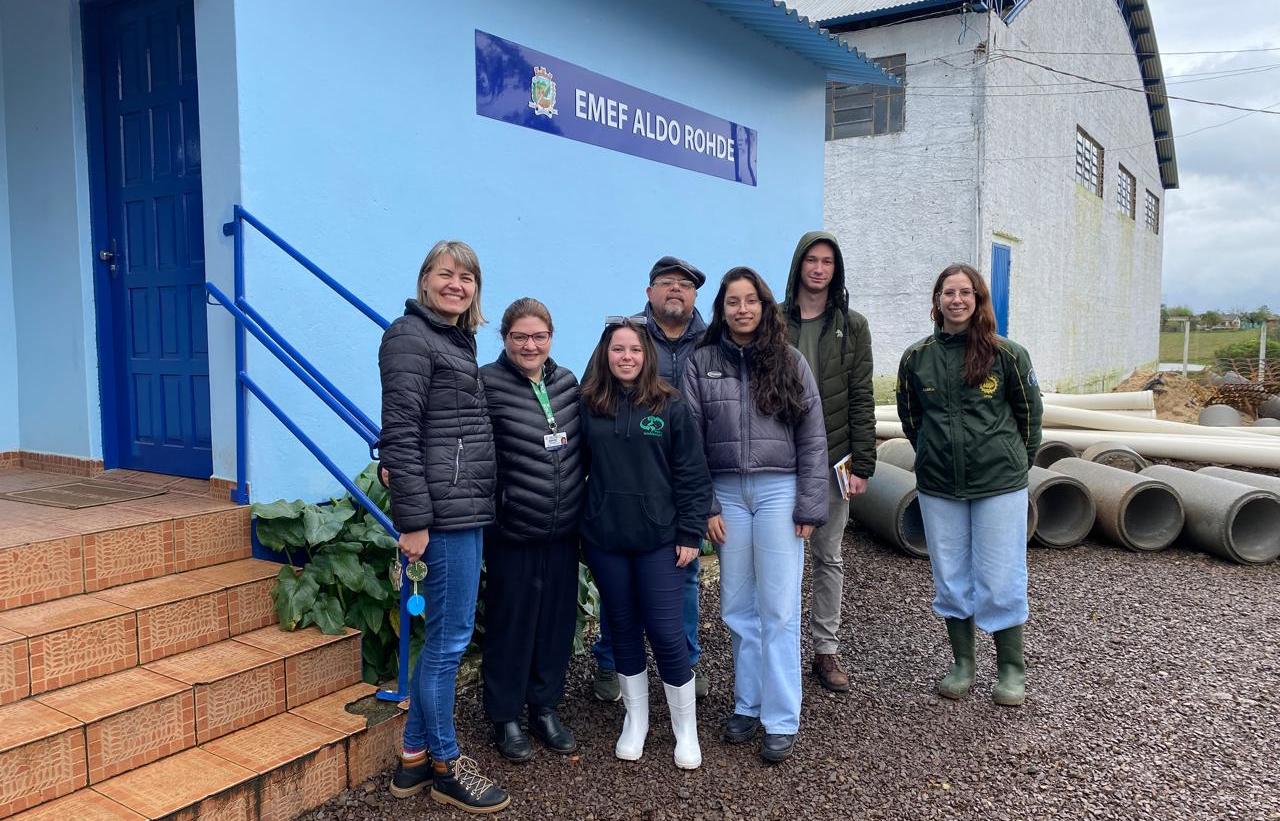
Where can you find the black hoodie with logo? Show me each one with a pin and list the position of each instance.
(648, 485)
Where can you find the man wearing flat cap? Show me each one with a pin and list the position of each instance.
(676, 327)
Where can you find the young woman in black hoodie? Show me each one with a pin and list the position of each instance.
(648, 495)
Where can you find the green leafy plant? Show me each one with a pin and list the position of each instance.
(1248, 350)
(344, 580)
(338, 575)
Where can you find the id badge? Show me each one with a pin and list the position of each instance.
(555, 441)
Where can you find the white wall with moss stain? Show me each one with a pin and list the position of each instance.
(986, 156)
(1085, 278)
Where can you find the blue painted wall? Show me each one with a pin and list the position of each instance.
(358, 141)
(48, 224)
(8, 336)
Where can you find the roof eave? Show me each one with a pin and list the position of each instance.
(1143, 36)
(774, 21)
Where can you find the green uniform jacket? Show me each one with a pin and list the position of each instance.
(970, 442)
(843, 369)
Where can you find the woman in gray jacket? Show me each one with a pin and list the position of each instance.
(757, 406)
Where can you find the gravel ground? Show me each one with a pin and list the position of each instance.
(1151, 694)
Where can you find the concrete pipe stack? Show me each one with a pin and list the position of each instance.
(897, 452)
(1228, 519)
(890, 509)
(1139, 512)
(1050, 451)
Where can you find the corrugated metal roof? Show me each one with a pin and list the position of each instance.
(1143, 36)
(773, 20)
(840, 12)
(821, 10)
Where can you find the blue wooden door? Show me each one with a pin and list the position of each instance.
(153, 251)
(1000, 286)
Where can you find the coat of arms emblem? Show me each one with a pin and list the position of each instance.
(542, 93)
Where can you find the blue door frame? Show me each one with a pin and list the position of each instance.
(147, 225)
(1000, 264)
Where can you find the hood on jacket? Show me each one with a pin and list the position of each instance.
(837, 293)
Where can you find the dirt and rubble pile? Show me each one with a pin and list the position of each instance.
(1177, 398)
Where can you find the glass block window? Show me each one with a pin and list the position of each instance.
(1126, 193)
(1088, 162)
(1153, 212)
(866, 110)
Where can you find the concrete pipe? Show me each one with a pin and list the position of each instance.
(1244, 477)
(1221, 416)
(1135, 511)
(1051, 451)
(1230, 520)
(1266, 422)
(1115, 454)
(1065, 508)
(897, 452)
(891, 510)
(1233, 378)
(1270, 409)
(1118, 400)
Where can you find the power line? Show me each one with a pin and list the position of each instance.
(1139, 53)
(1144, 92)
(1200, 77)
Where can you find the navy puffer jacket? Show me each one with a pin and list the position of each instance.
(437, 442)
(540, 491)
(739, 439)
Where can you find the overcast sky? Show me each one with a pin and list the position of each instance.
(1222, 225)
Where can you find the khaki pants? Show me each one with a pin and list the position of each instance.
(828, 573)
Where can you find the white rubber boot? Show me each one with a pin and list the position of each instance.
(682, 702)
(635, 697)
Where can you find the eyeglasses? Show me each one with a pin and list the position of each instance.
(963, 293)
(636, 320)
(672, 282)
(540, 338)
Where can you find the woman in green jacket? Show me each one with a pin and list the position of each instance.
(970, 405)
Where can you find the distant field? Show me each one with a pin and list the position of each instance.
(1203, 344)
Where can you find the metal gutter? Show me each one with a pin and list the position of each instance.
(1142, 34)
(774, 21)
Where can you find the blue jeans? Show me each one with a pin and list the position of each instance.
(978, 553)
(761, 564)
(603, 647)
(641, 596)
(452, 583)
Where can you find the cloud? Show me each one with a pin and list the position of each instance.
(1222, 246)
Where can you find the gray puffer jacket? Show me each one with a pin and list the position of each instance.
(739, 439)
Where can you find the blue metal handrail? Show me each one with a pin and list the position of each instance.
(248, 320)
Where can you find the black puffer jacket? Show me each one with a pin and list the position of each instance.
(540, 491)
(740, 439)
(437, 442)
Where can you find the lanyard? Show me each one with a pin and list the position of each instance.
(540, 391)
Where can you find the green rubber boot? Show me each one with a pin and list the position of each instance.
(1011, 666)
(959, 678)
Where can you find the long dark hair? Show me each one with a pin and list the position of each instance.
(600, 388)
(776, 388)
(980, 349)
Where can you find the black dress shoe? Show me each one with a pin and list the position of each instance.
(512, 742)
(740, 728)
(777, 746)
(545, 724)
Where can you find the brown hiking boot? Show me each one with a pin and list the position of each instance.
(826, 666)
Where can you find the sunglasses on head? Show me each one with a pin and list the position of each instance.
(617, 320)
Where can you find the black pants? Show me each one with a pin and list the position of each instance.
(643, 594)
(530, 612)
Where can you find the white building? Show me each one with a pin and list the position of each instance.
(1032, 140)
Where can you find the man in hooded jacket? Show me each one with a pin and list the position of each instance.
(837, 345)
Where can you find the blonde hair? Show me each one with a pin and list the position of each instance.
(464, 257)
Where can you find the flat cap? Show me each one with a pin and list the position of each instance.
(667, 265)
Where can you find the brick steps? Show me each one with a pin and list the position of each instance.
(40, 563)
(273, 770)
(142, 673)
